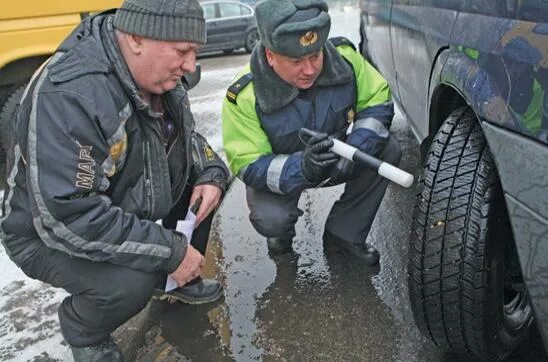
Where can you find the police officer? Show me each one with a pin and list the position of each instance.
(296, 78)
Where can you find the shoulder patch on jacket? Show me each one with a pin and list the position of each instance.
(237, 86)
(341, 40)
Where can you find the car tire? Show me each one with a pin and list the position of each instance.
(7, 131)
(465, 284)
(251, 39)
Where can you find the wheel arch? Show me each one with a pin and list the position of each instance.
(450, 83)
(457, 79)
(443, 101)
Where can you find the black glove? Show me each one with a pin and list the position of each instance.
(317, 161)
(342, 171)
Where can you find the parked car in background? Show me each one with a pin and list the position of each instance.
(230, 25)
(472, 79)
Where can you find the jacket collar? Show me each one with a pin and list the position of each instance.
(273, 93)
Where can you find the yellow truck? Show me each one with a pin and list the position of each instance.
(30, 31)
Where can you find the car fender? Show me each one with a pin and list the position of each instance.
(251, 27)
(462, 75)
(475, 84)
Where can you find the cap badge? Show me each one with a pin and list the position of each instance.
(309, 38)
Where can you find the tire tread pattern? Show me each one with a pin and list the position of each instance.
(447, 278)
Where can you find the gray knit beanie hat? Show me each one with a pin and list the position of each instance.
(173, 20)
(293, 27)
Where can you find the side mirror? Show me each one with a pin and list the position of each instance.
(191, 79)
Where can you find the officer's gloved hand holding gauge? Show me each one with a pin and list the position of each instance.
(348, 152)
(317, 160)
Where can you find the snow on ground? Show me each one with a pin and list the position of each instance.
(206, 106)
(29, 324)
(207, 114)
(225, 73)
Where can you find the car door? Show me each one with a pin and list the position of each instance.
(233, 22)
(419, 29)
(375, 38)
(214, 35)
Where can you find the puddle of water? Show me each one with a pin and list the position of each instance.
(305, 306)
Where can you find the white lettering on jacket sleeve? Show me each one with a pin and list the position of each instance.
(86, 164)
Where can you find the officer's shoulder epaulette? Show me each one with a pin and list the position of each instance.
(237, 86)
(341, 40)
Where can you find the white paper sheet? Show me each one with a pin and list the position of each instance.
(185, 227)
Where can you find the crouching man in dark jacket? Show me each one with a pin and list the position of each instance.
(105, 147)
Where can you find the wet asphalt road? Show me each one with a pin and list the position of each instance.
(310, 305)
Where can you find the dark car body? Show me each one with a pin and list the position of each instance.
(491, 56)
(230, 25)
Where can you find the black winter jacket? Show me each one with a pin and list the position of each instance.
(92, 172)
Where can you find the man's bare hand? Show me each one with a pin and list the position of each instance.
(211, 196)
(190, 268)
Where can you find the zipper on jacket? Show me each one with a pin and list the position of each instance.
(177, 125)
(171, 145)
(185, 134)
(148, 179)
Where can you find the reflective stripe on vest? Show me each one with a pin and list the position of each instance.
(372, 124)
(275, 172)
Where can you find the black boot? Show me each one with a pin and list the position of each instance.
(278, 246)
(106, 351)
(363, 252)
(197, 291)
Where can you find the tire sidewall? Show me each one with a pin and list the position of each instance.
(7, 116)
(7, 130)
(484, 332)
